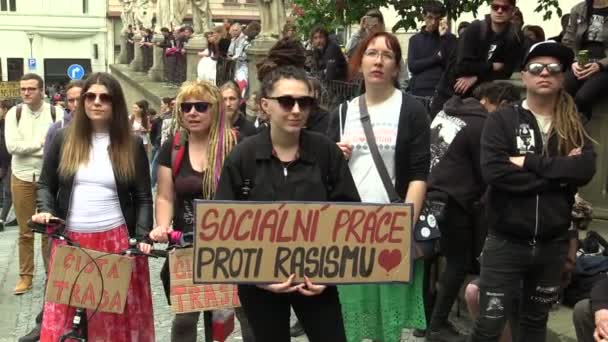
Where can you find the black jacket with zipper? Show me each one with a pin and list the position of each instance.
(54, 192)
(534, 203)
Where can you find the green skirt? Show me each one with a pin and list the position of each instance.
(381, 312)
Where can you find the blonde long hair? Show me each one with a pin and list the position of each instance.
(567, 125)
(78, 140)
(222, 138)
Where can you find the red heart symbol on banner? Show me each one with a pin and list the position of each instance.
(389, 259)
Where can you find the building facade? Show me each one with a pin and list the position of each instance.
(47, 36)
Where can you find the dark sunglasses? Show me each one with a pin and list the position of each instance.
(537, 68)
(105, 98)
(287, 102)
(200, 107)
(504, 8)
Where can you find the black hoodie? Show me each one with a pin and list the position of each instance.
(534, 203)
(455, 135)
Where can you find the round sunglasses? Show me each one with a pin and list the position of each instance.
(537, 68)
(91, 97)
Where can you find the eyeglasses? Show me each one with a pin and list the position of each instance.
(383, 54)
(503, 8)
(92, 97)
(200, 107)
(287, 102)
(537, 68)
(31, 90)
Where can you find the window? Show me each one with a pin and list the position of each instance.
(85, 6)
(8, 5)
(250, 1)
(15, 68)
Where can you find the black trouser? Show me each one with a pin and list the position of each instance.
(457, 244)
(505, 267)
(586, 92)
(584, 321)
(439, 99)
(268, 314)
(7, 199)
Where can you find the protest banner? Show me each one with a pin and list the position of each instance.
(188, 297)
(68, 285)
(9, 90)
(330, 243)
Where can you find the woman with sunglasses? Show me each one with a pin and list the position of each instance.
(95, 177)
(400, 127)
(206, 137)
(290, 163)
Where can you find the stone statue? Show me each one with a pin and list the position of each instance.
(144, 12)
(179, 9)
(201, 16)
(163, 14)
(128, 14)
(272, 17)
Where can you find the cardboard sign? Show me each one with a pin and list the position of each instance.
(188, 297)
(9, 90)
(86, 289)
(255, 242)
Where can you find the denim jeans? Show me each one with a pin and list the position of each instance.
(506, 265)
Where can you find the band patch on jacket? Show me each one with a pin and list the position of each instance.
(525, 139)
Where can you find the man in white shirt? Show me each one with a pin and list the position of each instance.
(25, 130)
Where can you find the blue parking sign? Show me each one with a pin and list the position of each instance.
(31, 63)
(75, 72)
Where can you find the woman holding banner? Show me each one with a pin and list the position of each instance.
(189, 168)
(288, 163)
(402, 135)
(95, 176)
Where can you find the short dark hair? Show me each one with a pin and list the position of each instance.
(375, 13)
(319, 29)
(7, 104)
(287, 72)
(497, 92)
(188, 28)
(463, 25)
(32, 76)
(167, 100)
(74, 84)
(435, 7)
(164, 29)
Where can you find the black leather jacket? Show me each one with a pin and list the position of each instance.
(54, 193)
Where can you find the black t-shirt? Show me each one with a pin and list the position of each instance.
(188, 186)
(593, 39)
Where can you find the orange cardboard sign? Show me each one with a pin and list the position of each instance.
(331, 243)
(188, 297)
(76, 279)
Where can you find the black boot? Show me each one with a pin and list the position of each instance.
(33, 335)
(444, 333)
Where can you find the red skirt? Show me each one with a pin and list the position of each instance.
(136, 323)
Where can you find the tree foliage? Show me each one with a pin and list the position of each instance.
(337, 13)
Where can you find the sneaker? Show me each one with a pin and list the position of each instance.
(23, 285)
(444, 333)
(296, 330)
(32, 336)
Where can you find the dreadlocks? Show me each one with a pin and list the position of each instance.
(222, 138)
(567, 125)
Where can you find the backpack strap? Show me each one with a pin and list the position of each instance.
(53, 113)
(177, 153)
(18, 113)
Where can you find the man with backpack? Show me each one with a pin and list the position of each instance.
(25, 130)
(488, 50)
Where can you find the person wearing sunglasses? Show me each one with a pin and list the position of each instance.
(587, 36)
(534, 156)
(205, 138)
(401, 131)
(489, 49)
(289, 163)
(96, 178)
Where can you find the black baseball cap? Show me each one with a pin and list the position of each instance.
(551, 48)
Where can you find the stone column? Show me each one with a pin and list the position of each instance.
(157, 71)
(123, 56)
(137, 64)
(196, 44)
(257, 51)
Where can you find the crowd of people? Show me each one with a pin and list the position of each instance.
(505, 170)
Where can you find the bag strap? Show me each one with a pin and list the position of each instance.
(20, 109)
(373, 148)
(177, 153)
